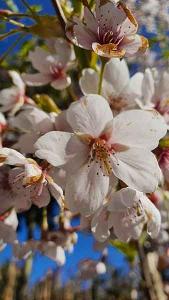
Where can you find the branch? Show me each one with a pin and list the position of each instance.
(59, 13)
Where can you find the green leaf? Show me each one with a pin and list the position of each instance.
(128, 249)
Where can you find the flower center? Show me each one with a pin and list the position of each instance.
(134, 215)
(100, 153)
(162, 106)
(57, 71)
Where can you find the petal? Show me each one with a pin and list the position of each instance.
(61, 83)
(11, 157)
(148, 88)
(56, 192)
(36, 79)
(89, 81)
(89, 115)
(8, 96)
(63, 50)
(138, 168)
(39, 199)
(52, 147)
(99, 225)
(115, 78)
(153, 216)
(38, 58)
(122, 199)
(138, 128)
(133, 90)
(86, 189)
(17, 80)
(108, 15)
(134, 44)
(108, 50)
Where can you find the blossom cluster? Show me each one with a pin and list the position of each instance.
(105, 155)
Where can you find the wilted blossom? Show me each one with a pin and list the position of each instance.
(13, 98)
(52, 67)
(126, 213)
(110, 31)
(117, 87)
(102, 148)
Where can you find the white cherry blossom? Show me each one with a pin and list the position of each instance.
(13, 98)
(126, 213)
(51, 67)
(101, 148)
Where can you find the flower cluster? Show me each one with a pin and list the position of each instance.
(104, 155)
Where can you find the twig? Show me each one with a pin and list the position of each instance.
(59, 13)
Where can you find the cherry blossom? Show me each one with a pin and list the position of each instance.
(102, 148)
(32, 122)
(117, 86)
(29, 182)
(110, 31)
(13, 98)
(52, 67)
(125, 213)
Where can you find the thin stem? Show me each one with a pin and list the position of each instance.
(13, 22)
(103, 62)
(35, 16)
(59, 13)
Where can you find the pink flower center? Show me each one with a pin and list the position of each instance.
(57, 71)
(162, 106)
(163, 159)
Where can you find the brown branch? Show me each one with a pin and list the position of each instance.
(59, 12)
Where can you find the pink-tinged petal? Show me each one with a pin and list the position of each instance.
(89, 81)
(52, 147)
(162, 86)
(108, 50)
(138, 128)
(99, 225)
(37, 79)
(11, 157)
(153, 217)
(21, 195)
(61, 83)
(134, 44)
(38, 58)
(17, 80)
(108, 15)
(86, 189)
(63, 50)
(138, 168)
(115, 78)
(90, 20)
(89, 115)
